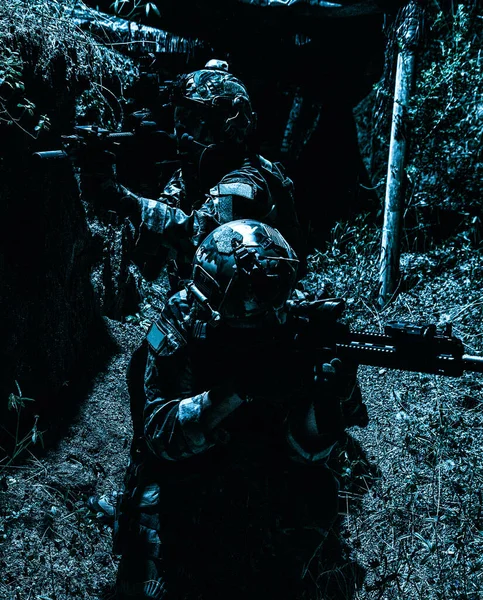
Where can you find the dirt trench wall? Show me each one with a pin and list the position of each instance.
(52, 334)
(48, 305)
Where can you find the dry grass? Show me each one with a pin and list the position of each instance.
(415, 525)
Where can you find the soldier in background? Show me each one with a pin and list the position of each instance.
(222, 177)
(228, 494)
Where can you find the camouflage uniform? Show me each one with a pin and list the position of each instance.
(227, 495)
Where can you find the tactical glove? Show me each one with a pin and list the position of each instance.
(338, 381)
(330, 385)
(92, 159)
(315, 422)
(276, 378)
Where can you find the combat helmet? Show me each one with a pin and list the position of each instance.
(216, 96)
(242, 271)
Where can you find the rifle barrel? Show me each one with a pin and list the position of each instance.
(164, 140)
(472, 363)
(50, 155)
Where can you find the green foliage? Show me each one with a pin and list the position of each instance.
(134, 8)
(11, 68)
(348, 266)
(445, 125)
(445, 169)
(11, 80)
(41, 44)
(17, 402)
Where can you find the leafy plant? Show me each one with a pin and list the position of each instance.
(46, 31)
(134, 8)
(17, 402)
(445, 169)
(11, 79)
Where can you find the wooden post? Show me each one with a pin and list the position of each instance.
(407, 37)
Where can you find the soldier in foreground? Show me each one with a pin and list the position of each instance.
(228, 494)
(221, 178)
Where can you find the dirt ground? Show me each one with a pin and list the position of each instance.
(52, 548)
(411, 498)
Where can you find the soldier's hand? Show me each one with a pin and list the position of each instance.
(276, 381)
(330, 377)
(330, 380)
(87, 149)
(339, 394)
(90, 159)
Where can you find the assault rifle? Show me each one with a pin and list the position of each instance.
(146, 132)
(405, 346)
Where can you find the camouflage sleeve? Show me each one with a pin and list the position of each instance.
(158, 222)
(169, 226)
(179, 420)
(243, 193)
